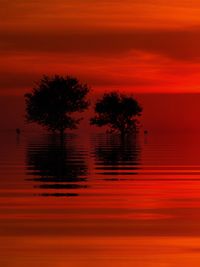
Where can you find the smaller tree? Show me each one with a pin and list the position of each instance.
(54, 99)
(117, 111)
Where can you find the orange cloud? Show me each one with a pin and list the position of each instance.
(143, 46)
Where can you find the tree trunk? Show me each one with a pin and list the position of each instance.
(61, 135)
(122, 133)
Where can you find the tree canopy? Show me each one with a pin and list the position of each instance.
(117, 111)
(53, 101)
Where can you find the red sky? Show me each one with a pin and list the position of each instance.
(136, 46)
(140, 46)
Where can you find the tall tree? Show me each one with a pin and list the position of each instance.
(54, 100)
(117, 111)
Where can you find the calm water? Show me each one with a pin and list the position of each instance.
(99, 201)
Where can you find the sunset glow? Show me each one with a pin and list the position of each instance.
(139, 46)
(100, 133)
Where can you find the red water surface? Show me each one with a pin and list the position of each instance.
(97, 200)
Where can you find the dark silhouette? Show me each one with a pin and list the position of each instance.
(53, 101)
(18, 131)
(60, 169)
(146, 136)
(116, 156)
(117, 111)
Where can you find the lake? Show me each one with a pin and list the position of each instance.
(98, 200)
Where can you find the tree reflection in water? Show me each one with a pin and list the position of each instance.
(117, 156)
(58, 167)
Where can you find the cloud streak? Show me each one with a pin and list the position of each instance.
(176, 44)
(144, 45)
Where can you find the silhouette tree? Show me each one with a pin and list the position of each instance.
(117, 111)
(54, 99)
